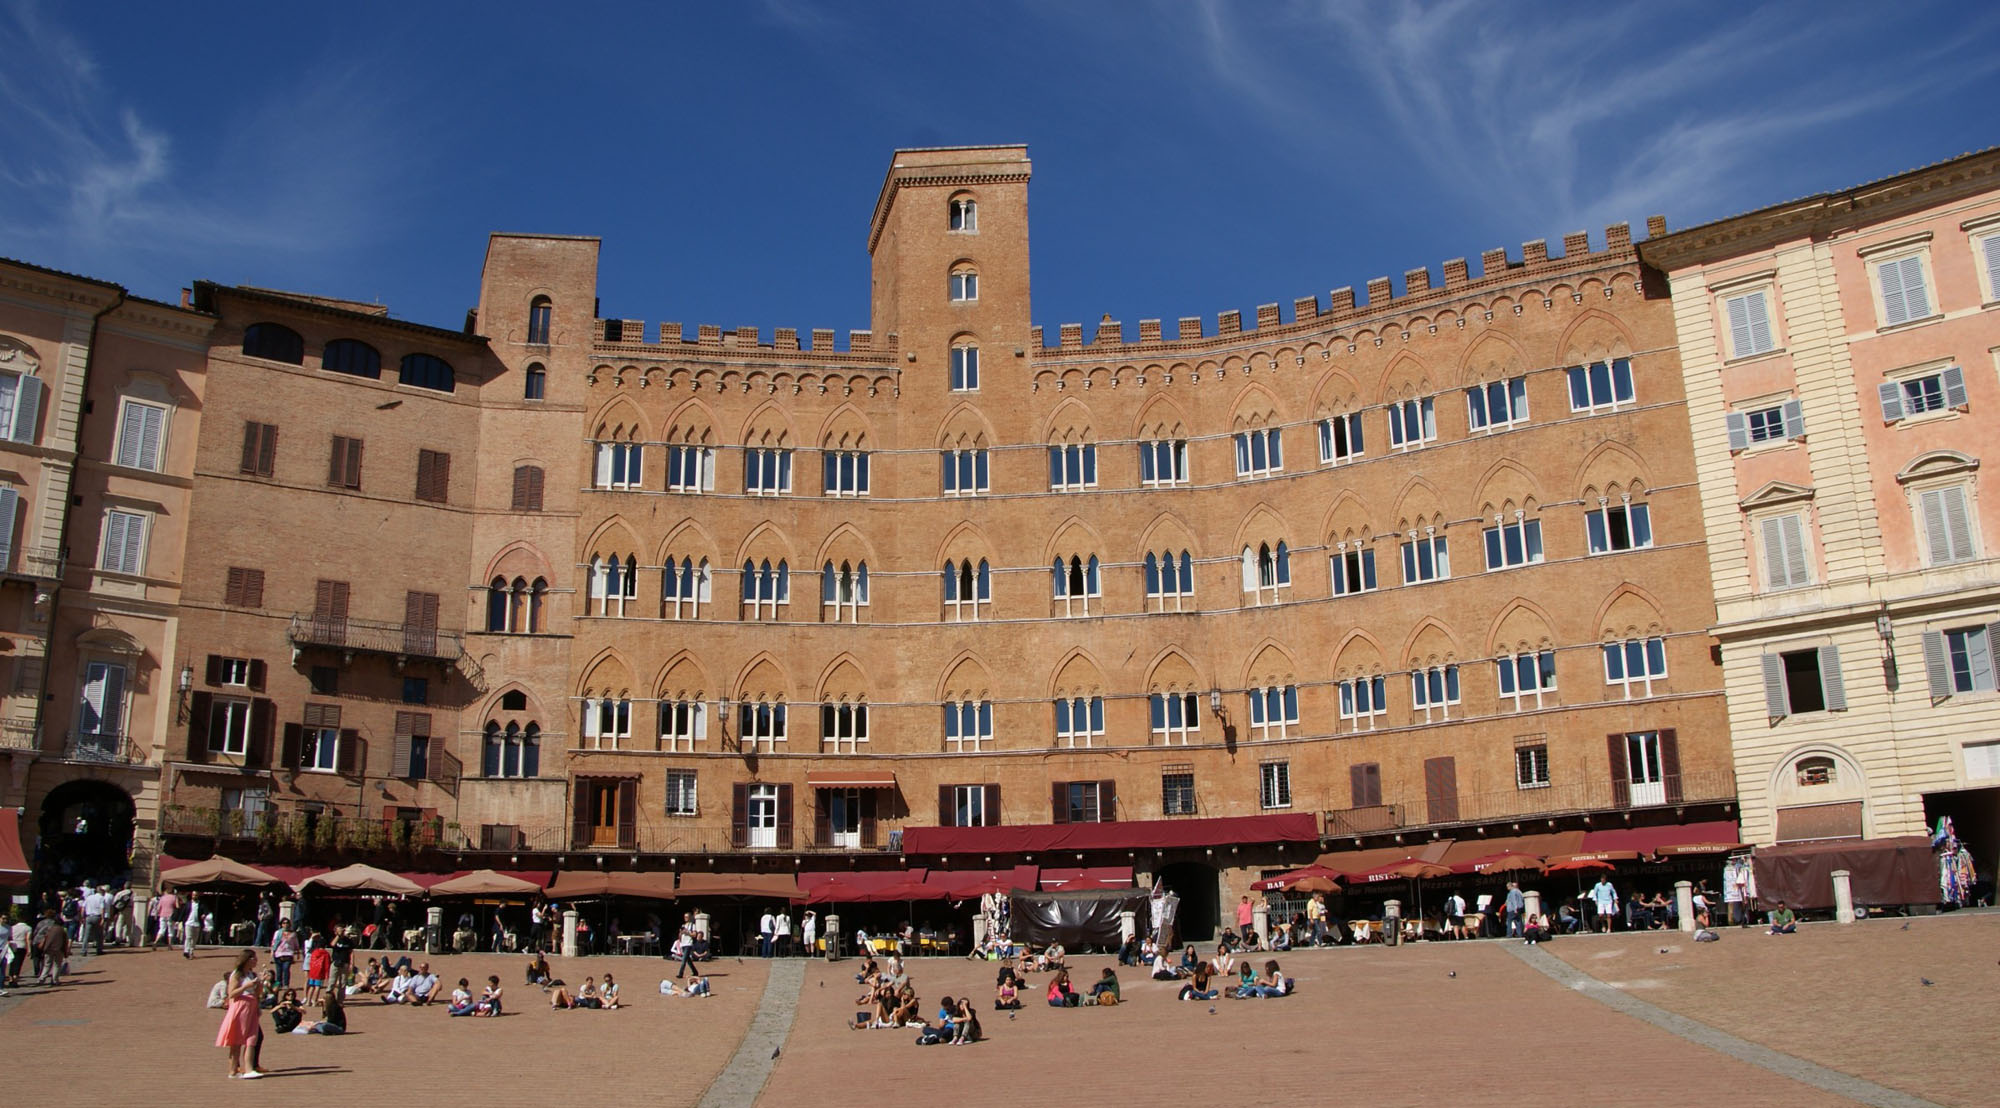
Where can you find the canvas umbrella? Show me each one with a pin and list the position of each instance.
(217, 871)
(1412, 869)
(485, 882)
(359, 878)
(1323, 880)
(1507, 861)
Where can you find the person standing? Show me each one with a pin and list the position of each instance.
(1244, 917)
(239, 1028)
(809, 933)
(191, 927)
(1515, 905)
(19, 936)
(95, 903)
(1316, 916)
(164, 908)
(285, 951)
(766, 932)
(51, 941)
(1604, 896)
(784, 932)
(267, 916)
(684, 949)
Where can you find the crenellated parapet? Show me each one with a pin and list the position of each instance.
(630, 334)
(739, 360)
(1504, 284)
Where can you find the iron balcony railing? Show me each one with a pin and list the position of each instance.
(19, 734)
(42, 563)
(400, 640)
(111, 749)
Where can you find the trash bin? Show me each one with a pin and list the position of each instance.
(832, 938)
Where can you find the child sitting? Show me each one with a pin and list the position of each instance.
(461, 1000)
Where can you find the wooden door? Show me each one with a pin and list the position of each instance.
(1441, 789)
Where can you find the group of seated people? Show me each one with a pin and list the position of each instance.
(462, 1004)
(591, 995)
(888, 997)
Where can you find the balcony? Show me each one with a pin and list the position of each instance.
(216, 823)
(1492, 806)
(34, 563)
(401, 641)
(19, 734)
(117, 750)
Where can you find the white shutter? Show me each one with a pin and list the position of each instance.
(1916, 297)
(1937, 665)
(1795, 419)
(1250, 569)
(1793, 528)
(134, 557)
(129, 433)
(1776, 704)
(1897, 305)
(1957, 523)
(1760, 322)
(1830, 682)
(1891, 394)
(603, 465)
(1930, 504)
(104, 698)
(1954, 386)
(27, 407)
(152, 430)
(1989, 250)
(589, 718)
(1738, 426)
(1739, 325)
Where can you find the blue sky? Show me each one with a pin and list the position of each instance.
(1190, 157)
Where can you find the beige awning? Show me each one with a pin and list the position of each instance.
(851, 779)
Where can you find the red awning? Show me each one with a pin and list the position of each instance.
(1087, 877)
(851, 779)
(1713, 837)
(868, 879)
(1138, 835)
(963, 884)
(13, 864)
(1462, 853)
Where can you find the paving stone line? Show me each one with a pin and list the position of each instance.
(1778, 1062)
(743, 1078)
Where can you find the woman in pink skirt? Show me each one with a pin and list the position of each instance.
(240, 1018)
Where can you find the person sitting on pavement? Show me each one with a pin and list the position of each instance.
(1060, 993)
(1197, 987)
(560, 1001)
(1105, 990)
(538, 971)
(460, 1003)
(588, 996)
(965, 1029)
(489, 999)
(1271, 983)
(609, 993)
(1537, 930)
(1783, 921)
(399, 988)
(285, 1018)
(1225, 962)
(905, 1012)
(423, 989)
(332, 1016)
(1007, 994)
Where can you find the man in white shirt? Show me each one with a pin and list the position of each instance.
(766, 930)
(784, 933)
(399, 987)
(191, 929)
(94, 904)
(423, 987)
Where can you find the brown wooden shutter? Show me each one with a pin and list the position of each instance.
(336, 463)
(868, 818)
(254, 451)
(433, 476)
(350, 752)
(330, 611)
(947, 811)
(1441, 789)
(628, 814)
(1357, 786)
(1374, 775)
(991, 817)
(822, 819)
(1670, 763)
(259, 674)
(739, 816)
(232, 591)
(1621, 773)
(1107, 802)
(399, 761)
(294, 740)
(245, 588)
(263, 718)
(580, 823)
(212, 673)
(784, 817)
(200, 706)
(527, 488)
(420, 620)
(267, 451)
(1058, 802)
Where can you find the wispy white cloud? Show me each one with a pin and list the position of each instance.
(98, 182)
(1580, 115)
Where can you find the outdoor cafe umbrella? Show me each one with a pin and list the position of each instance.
(1314, 878)
(217, 871)
(1414, 869)
(1507, 861)
(359, 878)
(485, 882)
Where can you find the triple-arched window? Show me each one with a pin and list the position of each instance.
(518, 606)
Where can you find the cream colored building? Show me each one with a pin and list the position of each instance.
(1841, 355)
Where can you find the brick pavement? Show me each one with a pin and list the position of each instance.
(1848, 997)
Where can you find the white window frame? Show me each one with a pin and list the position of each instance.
(1169, 581)
(13, 387)
(961, 575)
(761, 725)
(1077, 603)
(1274, 711)
(965, 367)
(1433, 691)
(1072, 466)
(229, 726)
(964, 216)
(1903, 260)
(964, 285)
(1529, 538)
(1338, 432)
(1412, 423)
(1749, 325)
(137, 445)
(1601, 526)
(1362, 699)
(1584, 385)
(767, 471)
(1079, 721)
(1939, 387)
(125, 542)
(765, 588)
(1351, 568)
(1175, 718)
(1274, 785)
(1651, 657)
(1947, 541)
(1756, 425)
(1532, 773)
(1267, 570)
(1526, 681)
(1163, 463)
(967, 471)
(109, 710)
(1983, 237)
(843, 591)
(686, 586)
(690, 468)
(683, 792)
(844, 473)
(319, 750)
(1509, 395)
(233, 672)
(683, 725)
(620, 465)
(850, 727)
(1428, 549)
(968, 807)
(607, 723)
(1260, 452)
(968, 726)
(614, 583)
(1962, 661)
(1796, 560)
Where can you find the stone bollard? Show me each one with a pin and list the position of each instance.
(569, 933)
(1392, 922)
(1843, 896)
(1260, 919)
(1128, 926)
(140, 934)
(979, 930)
(1684, 903)
(287, 910)
(433, 929)
(831, 935)
(1531, 905)
(701, 924)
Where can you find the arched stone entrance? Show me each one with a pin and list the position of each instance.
(1199, 886)
(86, 835)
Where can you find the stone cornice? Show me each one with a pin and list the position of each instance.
(956, 175)
(1824, 214)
